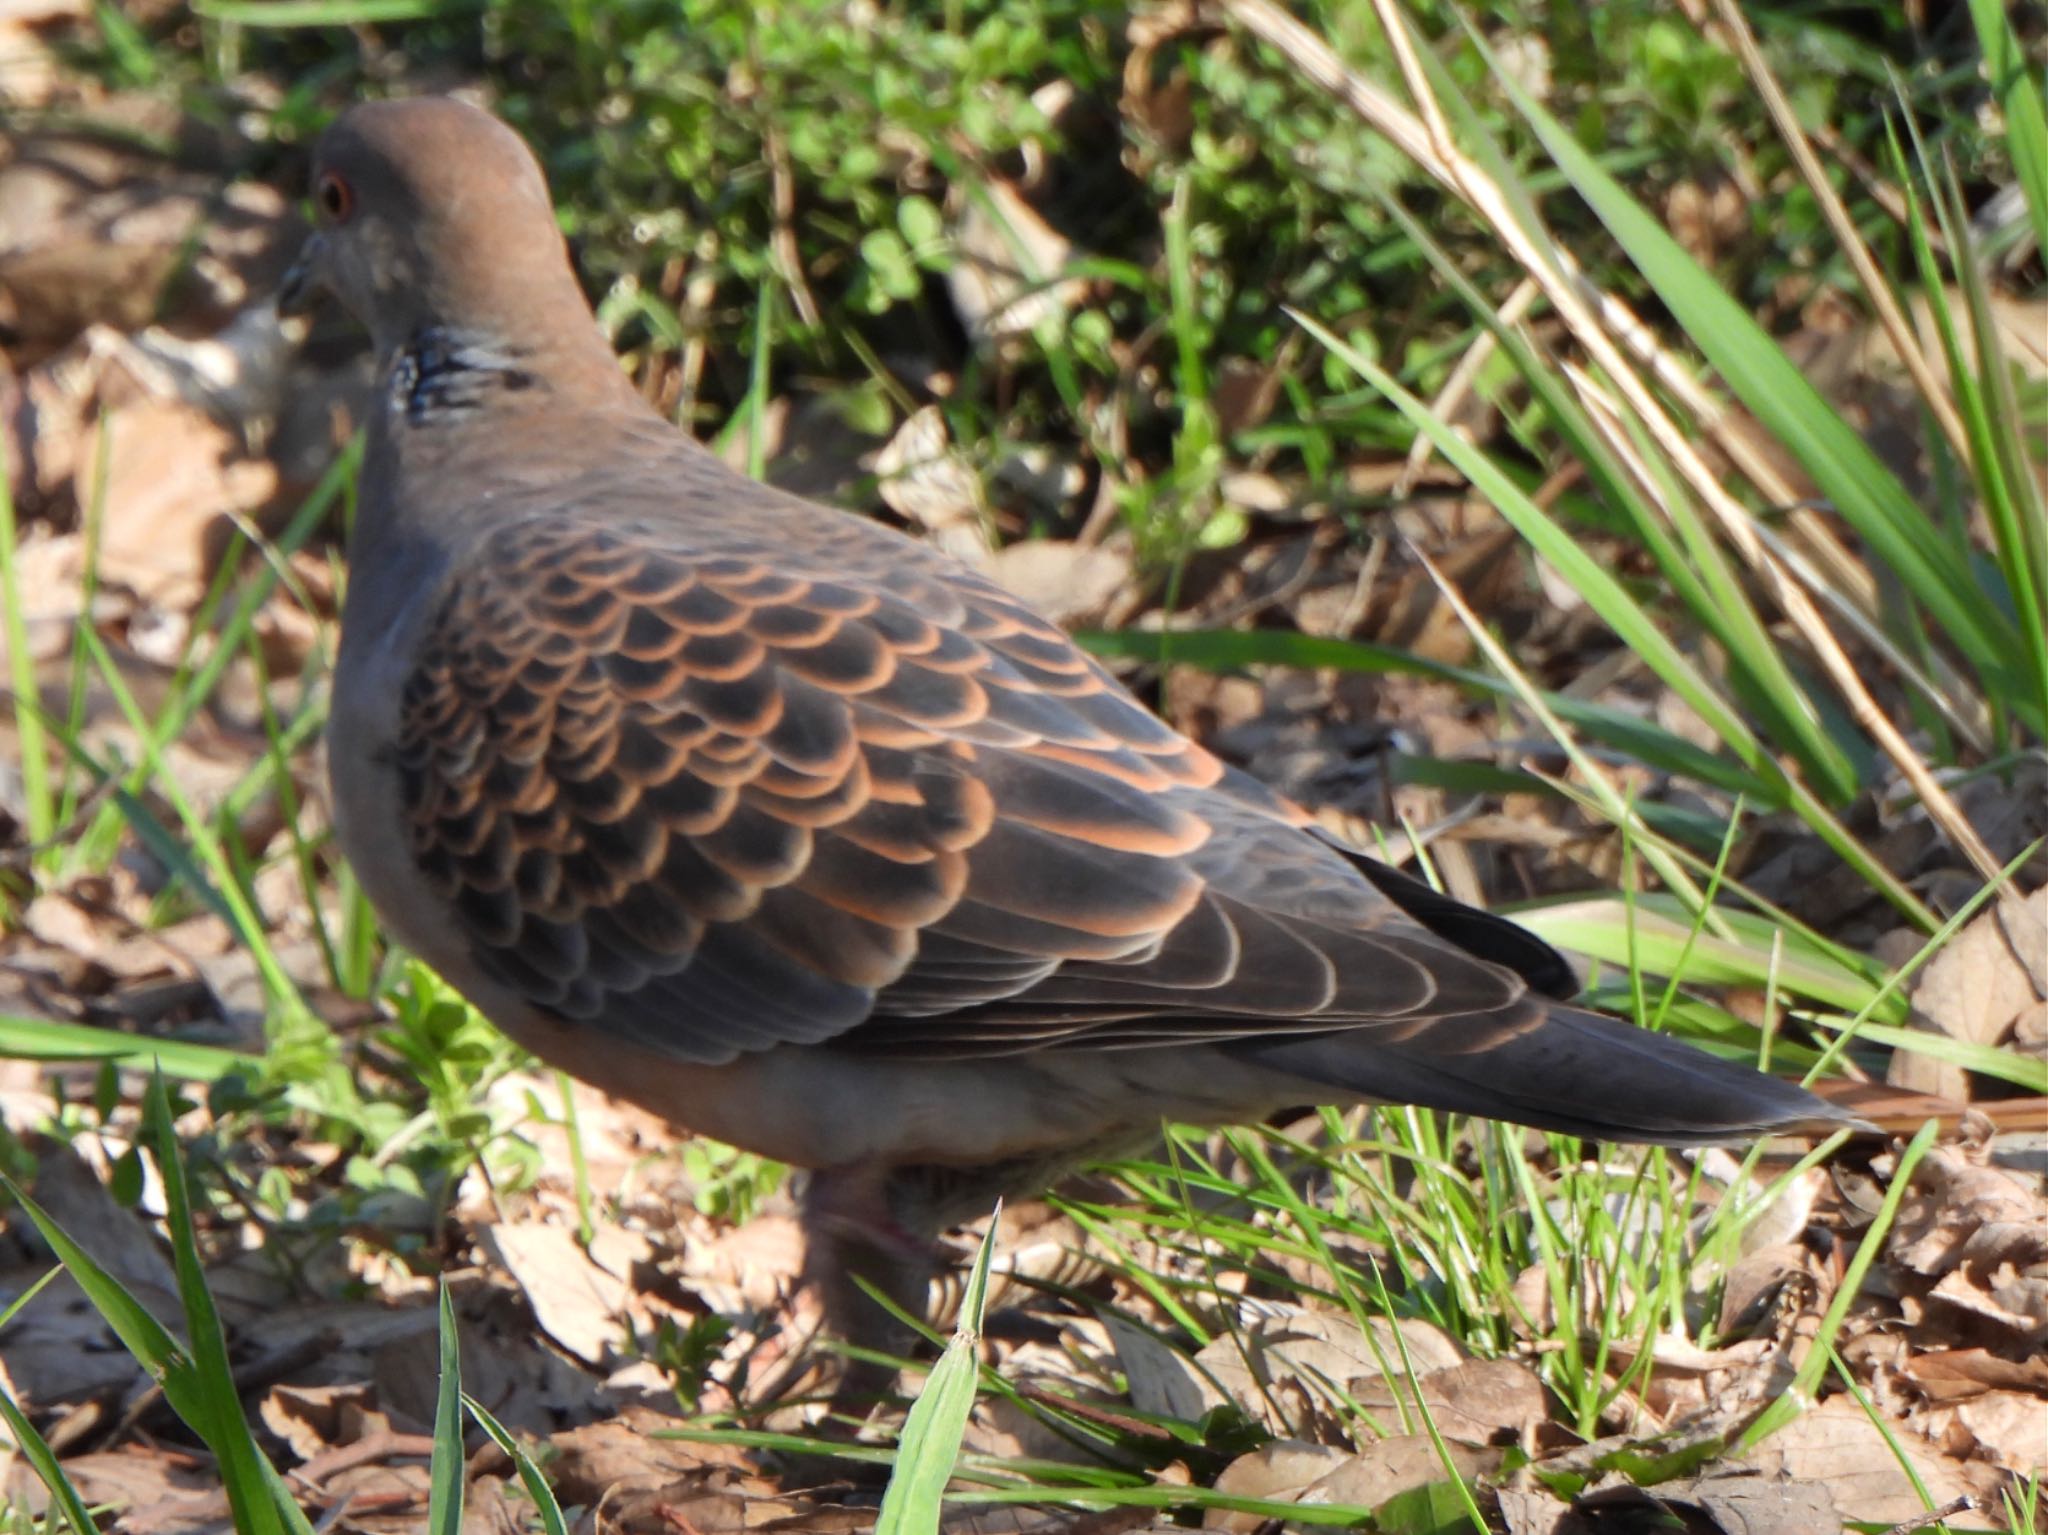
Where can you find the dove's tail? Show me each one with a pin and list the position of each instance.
(1571, 1071)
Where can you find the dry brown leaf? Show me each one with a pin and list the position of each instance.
(1980, 1234)
(1070, 583)
(391, 1490)
(2009, 1427)
(1161, 1380)
(1705, 214)
(531, 1387)
(96, 229)
(1036, 1246)
(1278, 1472)
(1975, 990)
(1037, 482)
(1838, 1445)
(647, 1485)
(2030, 1031)
(171, 474)
(2020, 323)
(1759, 1276)
(76, 1199)
(625, 1451)
(577, 1303)
(927, 482)
(1388, 1467)
(621, 1145)
(315, 1419)
(1013, 1429)
(1746, 1505)
(1735, 1499)
(1002, 1520)
(1532, 1511)
(2003, 1295)
(162, 1490)
(745, 1268)
(1482, 1402)
(1948, 1375)
(1958, 1209)
(1290, 1370)
(50, 570)
(1157, 93)
(1289, 1471)
(1410, 613)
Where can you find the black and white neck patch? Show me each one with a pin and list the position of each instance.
(443, 371)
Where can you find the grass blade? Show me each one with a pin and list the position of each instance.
(1849, 474)
(2018, 89)
(45, 1039)
(215, 1398)
(42, 1459)
(915, 1499)
(21, 678)
(444, 1494)
(536, 1485)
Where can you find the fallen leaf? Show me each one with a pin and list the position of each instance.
(928, 483)
(172, 473)
(1975, 990)
(2003, 1296)
(1758, 1277)
(162, 1490)
(577, 1303)
(2010, 1428)
(1481, 1402)
(98, 227)
(1291, 1371)
(1070, 583)
(750, 1267)
(1276, 1473)
(1388, 1467)
(1838, 1445)
(50, 569)
(1707, 213)
(123, 1243)
(1947, 1375)
(315, 1419)
(1531, 1511)
(1737, 1500)
(1959, 1209)
(1161, 1380)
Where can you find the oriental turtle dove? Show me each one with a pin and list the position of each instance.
(812, 839)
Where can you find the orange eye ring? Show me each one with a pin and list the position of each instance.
(334, 197)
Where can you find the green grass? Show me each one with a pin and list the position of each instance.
(1876, 650)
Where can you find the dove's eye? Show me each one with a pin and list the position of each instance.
(332, 193)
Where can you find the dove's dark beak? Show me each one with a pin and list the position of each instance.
(306, 280)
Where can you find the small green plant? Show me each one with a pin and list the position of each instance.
(728, 1183)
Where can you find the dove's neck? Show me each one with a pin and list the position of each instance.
(481, 418)
(439, 373)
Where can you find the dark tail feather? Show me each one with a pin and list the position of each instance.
(1575, 1072)
(1476, 932)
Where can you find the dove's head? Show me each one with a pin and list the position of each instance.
(430, 212)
